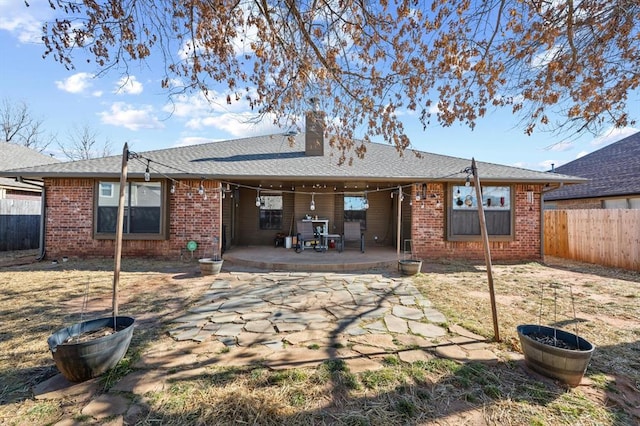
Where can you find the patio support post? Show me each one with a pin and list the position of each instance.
(487, 252)
(119, 225)
(399, 226)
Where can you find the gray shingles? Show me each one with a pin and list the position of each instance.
(274, 158)
(12, 156)
(612, 170)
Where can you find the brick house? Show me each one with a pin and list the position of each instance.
(245, 192)
(613, 174)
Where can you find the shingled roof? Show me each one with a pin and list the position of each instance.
(612, 171)
(13, 155)
(272, 157)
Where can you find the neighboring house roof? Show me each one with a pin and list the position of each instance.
(13, 155)
(612, 171)
(274, 158)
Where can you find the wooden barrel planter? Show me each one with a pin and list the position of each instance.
(210, 266)
(558, 362)
(80, 359)
(409, 266)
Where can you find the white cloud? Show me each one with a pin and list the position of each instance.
(24, 23)
(549, 164)
(196, 106)
(124, 115)
(560, 146)
(544, 57)
(581, 154)
(189, 105)
(238, 125)
(128, 86)
(77, 83)
(613, 135)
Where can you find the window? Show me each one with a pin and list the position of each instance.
(355, 209)
(464, 223)
(271, 211)
(106, 189)
(144, 212)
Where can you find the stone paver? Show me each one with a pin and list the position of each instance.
(58, 387)
(395, 324)
(142, 381)
(358, 365)
(414, 355)
(426, 330)
(106, 405)
(407, 312)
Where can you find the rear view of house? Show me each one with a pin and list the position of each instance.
(248, 192)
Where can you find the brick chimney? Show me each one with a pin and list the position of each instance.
(314, 135)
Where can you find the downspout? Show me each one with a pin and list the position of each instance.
(43, 208)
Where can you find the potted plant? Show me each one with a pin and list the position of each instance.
(212, 265)
(410, 264)
(87, 349)
(555, 353)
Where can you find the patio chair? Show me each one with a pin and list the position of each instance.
(352, 232)
(307, 237)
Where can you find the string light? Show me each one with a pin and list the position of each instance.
(366, 201)
(420, 195)
(258, 199)
(312, 206)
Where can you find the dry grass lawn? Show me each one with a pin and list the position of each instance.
(38, 299)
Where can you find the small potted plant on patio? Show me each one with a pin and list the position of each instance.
(212, 265)
(410, 264)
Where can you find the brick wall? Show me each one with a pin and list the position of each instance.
(582, 203)
(430, 237)
(69, 222)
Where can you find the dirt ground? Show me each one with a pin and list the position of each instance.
(602, 303)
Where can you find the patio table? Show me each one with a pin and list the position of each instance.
(325, 238)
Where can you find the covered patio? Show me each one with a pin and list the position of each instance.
(272, 258)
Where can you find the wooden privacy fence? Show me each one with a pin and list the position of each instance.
(19, 224)
(605, 237)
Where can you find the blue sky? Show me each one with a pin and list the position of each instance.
(138, 112)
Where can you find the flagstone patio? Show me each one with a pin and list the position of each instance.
(283, 320)
(291, 319)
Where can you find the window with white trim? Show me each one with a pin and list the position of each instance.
(464, 222)
(144, 210)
